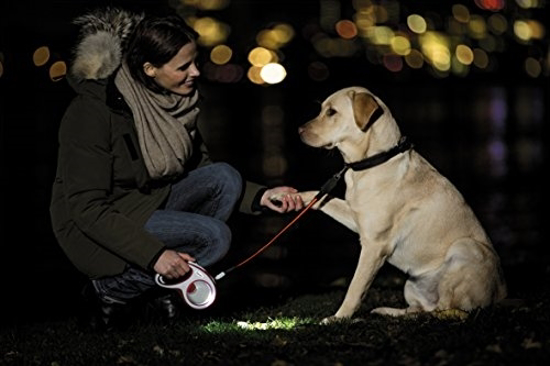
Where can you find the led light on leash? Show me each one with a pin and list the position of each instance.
(197, 287)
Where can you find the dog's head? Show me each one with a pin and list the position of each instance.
(346, 120)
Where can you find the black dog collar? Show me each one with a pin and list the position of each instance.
(403, 145)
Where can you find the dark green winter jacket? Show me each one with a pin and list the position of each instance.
(102, 195)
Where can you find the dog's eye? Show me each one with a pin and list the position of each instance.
(331, 112)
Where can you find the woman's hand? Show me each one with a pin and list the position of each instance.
(172, 264)
(282, 199)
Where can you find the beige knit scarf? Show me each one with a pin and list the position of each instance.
(165, 125)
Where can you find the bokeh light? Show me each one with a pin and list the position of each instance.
(417, 23)
(533, 67)
(414, 59)
(346, 29)
(273, 73)
(260, 56)
(400, 45)
(492, 5)
(461, 13)
(276, 37)
(41, 56)
(207, 4)
(221, 54)
(254, 76)
(58, 70)
(464, 54)
(481, 59)
(211, 31)
(497, 24)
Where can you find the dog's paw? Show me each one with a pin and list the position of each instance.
(389, 311)
(331, 320)
(307, 197)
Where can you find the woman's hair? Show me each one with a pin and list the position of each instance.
(156, 40)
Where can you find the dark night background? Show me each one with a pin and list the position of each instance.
(487, 131)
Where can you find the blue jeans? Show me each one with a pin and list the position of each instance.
(193, 221)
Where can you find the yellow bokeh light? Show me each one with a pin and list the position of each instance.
(400, 45)
(284, 33)
(221, 54)
(464, 54)
(267, 38)
(273, 73)
(459, 68)
(497, 24)
(364, 21)
(532, 67)
(417, 23)
(481, 59)
(211, 32)
(414, 59)
(58, 70)
(381, 12)
(207, 4)
(522, 30)
(527, 4)
(435, 47)
(41, 56)
(276, 37)
(477, 27)
(537, 29)
(260, 56)
(253, 75)
(461, 13)
(381, 35)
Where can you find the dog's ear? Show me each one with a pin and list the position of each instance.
(365, 110)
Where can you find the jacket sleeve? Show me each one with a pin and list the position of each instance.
(250, 202)
(87, 174)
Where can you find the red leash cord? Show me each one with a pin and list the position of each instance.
(222, 274)
(327, 187)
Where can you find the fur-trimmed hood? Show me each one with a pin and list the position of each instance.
(103, 37)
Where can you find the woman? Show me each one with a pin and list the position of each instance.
(135, 193)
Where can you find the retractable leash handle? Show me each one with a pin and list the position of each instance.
(197, 287)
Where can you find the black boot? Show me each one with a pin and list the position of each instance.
(169, 306)
(163, 306)
(101, 313)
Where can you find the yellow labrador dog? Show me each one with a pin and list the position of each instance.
(405, 212)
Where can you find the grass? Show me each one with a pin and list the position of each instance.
(280, 328)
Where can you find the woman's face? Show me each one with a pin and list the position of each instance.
(177, 75)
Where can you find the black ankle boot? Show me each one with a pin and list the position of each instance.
(169, 306)
(103, 314)
(164, 306)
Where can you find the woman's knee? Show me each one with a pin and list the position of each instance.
(229, 177)
(218, 243)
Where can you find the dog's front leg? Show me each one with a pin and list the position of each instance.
(370, 261)
(334, 207)
(339, 210)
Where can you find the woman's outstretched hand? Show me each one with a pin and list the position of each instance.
(286, 199)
